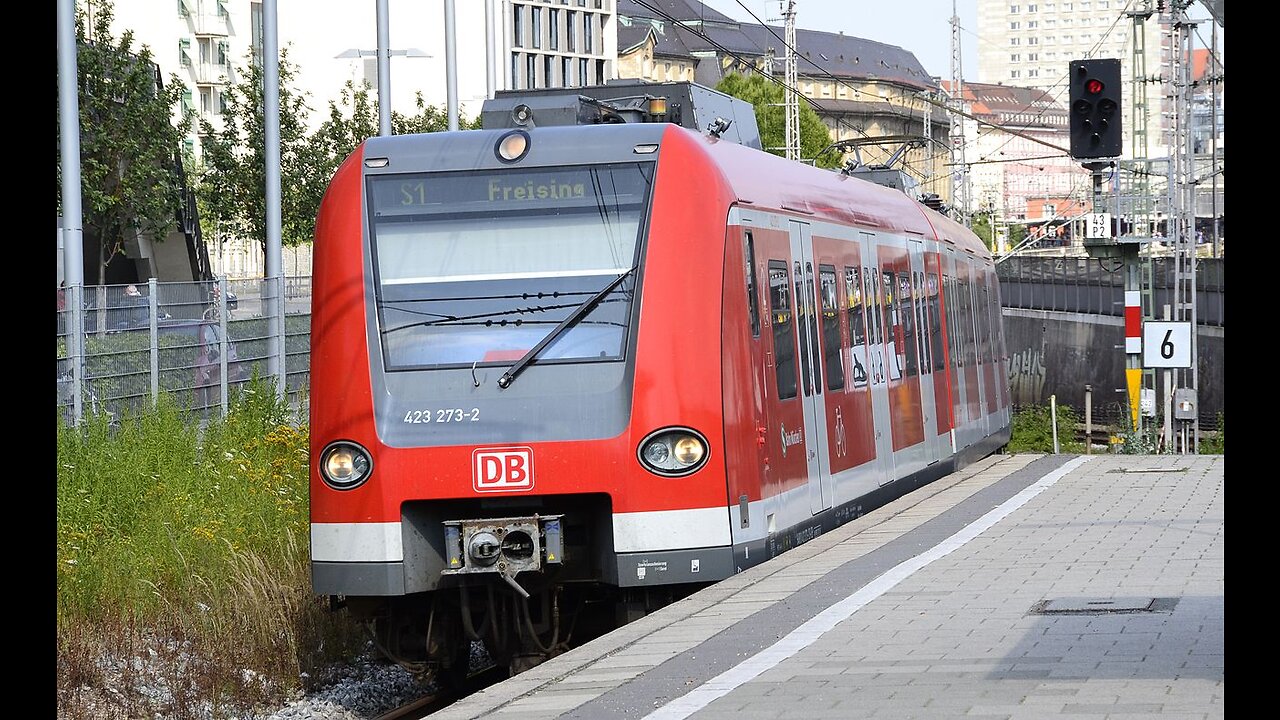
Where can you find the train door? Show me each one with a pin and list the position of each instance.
(877, 335)
(919, 307)
(821, 485)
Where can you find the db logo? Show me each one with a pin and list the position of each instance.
(502, 469)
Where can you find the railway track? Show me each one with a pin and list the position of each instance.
(427, 704)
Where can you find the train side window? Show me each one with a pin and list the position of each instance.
(922, 322)
(874, 317)
(969, 322)
(784, 339)
(832, 362)
(753, 299)
(853, 296)
(955, 329)
(984, 312)
(907, 318)
(892, 336)
(804, 323)
(935, 323)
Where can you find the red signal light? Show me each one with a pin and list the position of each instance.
(1093, 87)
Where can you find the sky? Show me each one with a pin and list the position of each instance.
(921, 26)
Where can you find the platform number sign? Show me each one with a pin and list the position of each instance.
(1166, 344)
(1098, 226)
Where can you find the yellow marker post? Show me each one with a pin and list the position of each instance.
(1133, 376)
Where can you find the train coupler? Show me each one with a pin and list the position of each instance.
(503, 545)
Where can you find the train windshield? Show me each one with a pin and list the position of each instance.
(476, 268)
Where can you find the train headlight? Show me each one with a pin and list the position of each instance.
(512, 147)
(345, 465)
(673, 452)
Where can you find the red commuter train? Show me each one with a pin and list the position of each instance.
(562, 375)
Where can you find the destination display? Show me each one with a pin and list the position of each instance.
(511, 190)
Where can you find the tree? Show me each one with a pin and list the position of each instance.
(767, 97)
(981, 225)
(129, 141)
(354, 117)
(233, 181)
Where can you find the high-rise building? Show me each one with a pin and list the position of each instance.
(1030, 44)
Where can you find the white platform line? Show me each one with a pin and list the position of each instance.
(815, 627)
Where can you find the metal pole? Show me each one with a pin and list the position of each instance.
(273, 297)
(1213, 137)
(384, 71)
(152, 287)
(1053, 419)
(1088, 419)
(1167, 430)
(491, 73)
(72, 222)
(450, 65)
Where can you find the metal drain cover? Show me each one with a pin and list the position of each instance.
(1102, 606)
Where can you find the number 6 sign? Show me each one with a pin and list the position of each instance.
(1166, 344)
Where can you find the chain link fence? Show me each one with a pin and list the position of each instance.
(199, 342)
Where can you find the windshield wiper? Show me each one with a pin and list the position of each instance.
(557, 331)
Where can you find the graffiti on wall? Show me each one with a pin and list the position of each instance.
(1026, 376)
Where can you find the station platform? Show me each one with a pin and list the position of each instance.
(1023, 586)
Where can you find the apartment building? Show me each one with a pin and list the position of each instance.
(859, 88)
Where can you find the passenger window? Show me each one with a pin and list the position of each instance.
(832, 364)
(853, 297)
(804, 305)
(907, 313)
(784, 339)
(753, 300)
(935, 324)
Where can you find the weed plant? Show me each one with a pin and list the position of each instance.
(1032, 430)
(183, 577)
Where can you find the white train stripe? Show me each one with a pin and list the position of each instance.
(671, 529)
(356, 542)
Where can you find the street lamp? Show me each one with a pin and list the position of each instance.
(384, 80)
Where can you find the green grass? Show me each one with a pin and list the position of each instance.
(1032, 430)
(171, 534)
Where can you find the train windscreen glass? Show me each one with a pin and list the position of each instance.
(478, 267)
